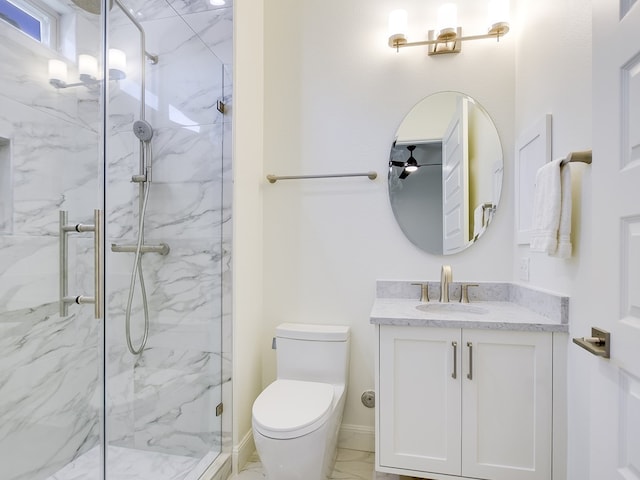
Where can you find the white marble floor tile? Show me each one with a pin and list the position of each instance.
(350, 465)
(128, 464)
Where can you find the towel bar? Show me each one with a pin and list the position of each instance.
(275, 178)
(584, 156)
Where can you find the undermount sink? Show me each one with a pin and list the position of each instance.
(452, 308)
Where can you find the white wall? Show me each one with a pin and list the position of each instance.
(554, 76)
(335, 94)
(247, 219)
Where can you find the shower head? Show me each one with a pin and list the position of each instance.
(143, 130)
(91, 6)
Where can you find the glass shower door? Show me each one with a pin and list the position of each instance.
(51, 123)
(164, 255)
(75, 401)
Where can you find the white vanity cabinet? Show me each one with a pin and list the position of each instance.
(470, 403)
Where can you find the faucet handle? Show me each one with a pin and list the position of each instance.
(464, 291)
(424, 291)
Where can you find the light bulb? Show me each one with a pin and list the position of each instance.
(447, 20)
(498, 11)
(398, 23)
(57, 73)
(87, 68)
(397, 28)
(498, 16)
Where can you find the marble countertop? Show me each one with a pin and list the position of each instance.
(497, 315)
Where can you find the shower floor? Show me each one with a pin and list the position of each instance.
(130, 464)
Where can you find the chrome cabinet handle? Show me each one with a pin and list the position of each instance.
(470, 374)
(454, 374)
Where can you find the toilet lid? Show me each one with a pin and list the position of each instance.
(292, 408)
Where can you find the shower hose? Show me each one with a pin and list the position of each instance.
(137, 263)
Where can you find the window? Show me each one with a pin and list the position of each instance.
(35, 21)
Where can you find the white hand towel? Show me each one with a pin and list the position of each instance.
(551, 223)
(564, 227)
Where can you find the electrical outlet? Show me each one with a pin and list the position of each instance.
(524, 269)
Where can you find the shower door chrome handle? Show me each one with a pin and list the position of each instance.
(97, 230)
(98, 261)
(64, 252)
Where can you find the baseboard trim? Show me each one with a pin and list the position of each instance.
(242, 452)
(357, 437)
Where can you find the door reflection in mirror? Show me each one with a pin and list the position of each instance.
(448, 199)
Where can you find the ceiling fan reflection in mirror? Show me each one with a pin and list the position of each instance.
(410, 165)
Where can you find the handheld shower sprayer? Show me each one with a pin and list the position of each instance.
(143, 130)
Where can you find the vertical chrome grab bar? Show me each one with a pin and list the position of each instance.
(64, 251)
(65, 299)
(470, 374)
(455, 360)
(98, 259)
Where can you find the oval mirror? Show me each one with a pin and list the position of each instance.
(445, 173)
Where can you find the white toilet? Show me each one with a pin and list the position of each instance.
(296, 419)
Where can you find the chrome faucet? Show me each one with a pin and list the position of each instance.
(446, 277)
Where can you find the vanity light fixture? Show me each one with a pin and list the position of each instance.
(87, 70)
(448, 36)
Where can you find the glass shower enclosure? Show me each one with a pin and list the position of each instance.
(114, 238)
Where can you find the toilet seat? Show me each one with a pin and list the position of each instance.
(292, 408)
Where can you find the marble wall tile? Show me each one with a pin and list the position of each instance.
(48, 390)
(181, 89)
(164, 399)
(228, 92)
(52, 164)
(184, 385)
(24, 77)
(184, 7)
(215, 28)
(185, 210)
(185, 283)
(143, 10)
(28, 271)
(187, 173)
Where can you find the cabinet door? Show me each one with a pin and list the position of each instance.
(507, 405)
(419, 400)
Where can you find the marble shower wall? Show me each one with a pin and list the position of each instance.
(50, 389)
(49, 161)
(165, 399)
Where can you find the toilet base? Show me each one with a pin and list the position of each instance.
(310, 457)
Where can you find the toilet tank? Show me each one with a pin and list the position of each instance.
(315, 353)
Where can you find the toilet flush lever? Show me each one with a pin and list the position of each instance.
(273, 343)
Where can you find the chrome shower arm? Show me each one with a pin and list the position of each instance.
(143, 49)
(152, 57)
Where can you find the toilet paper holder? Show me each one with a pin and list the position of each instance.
(599, 343)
